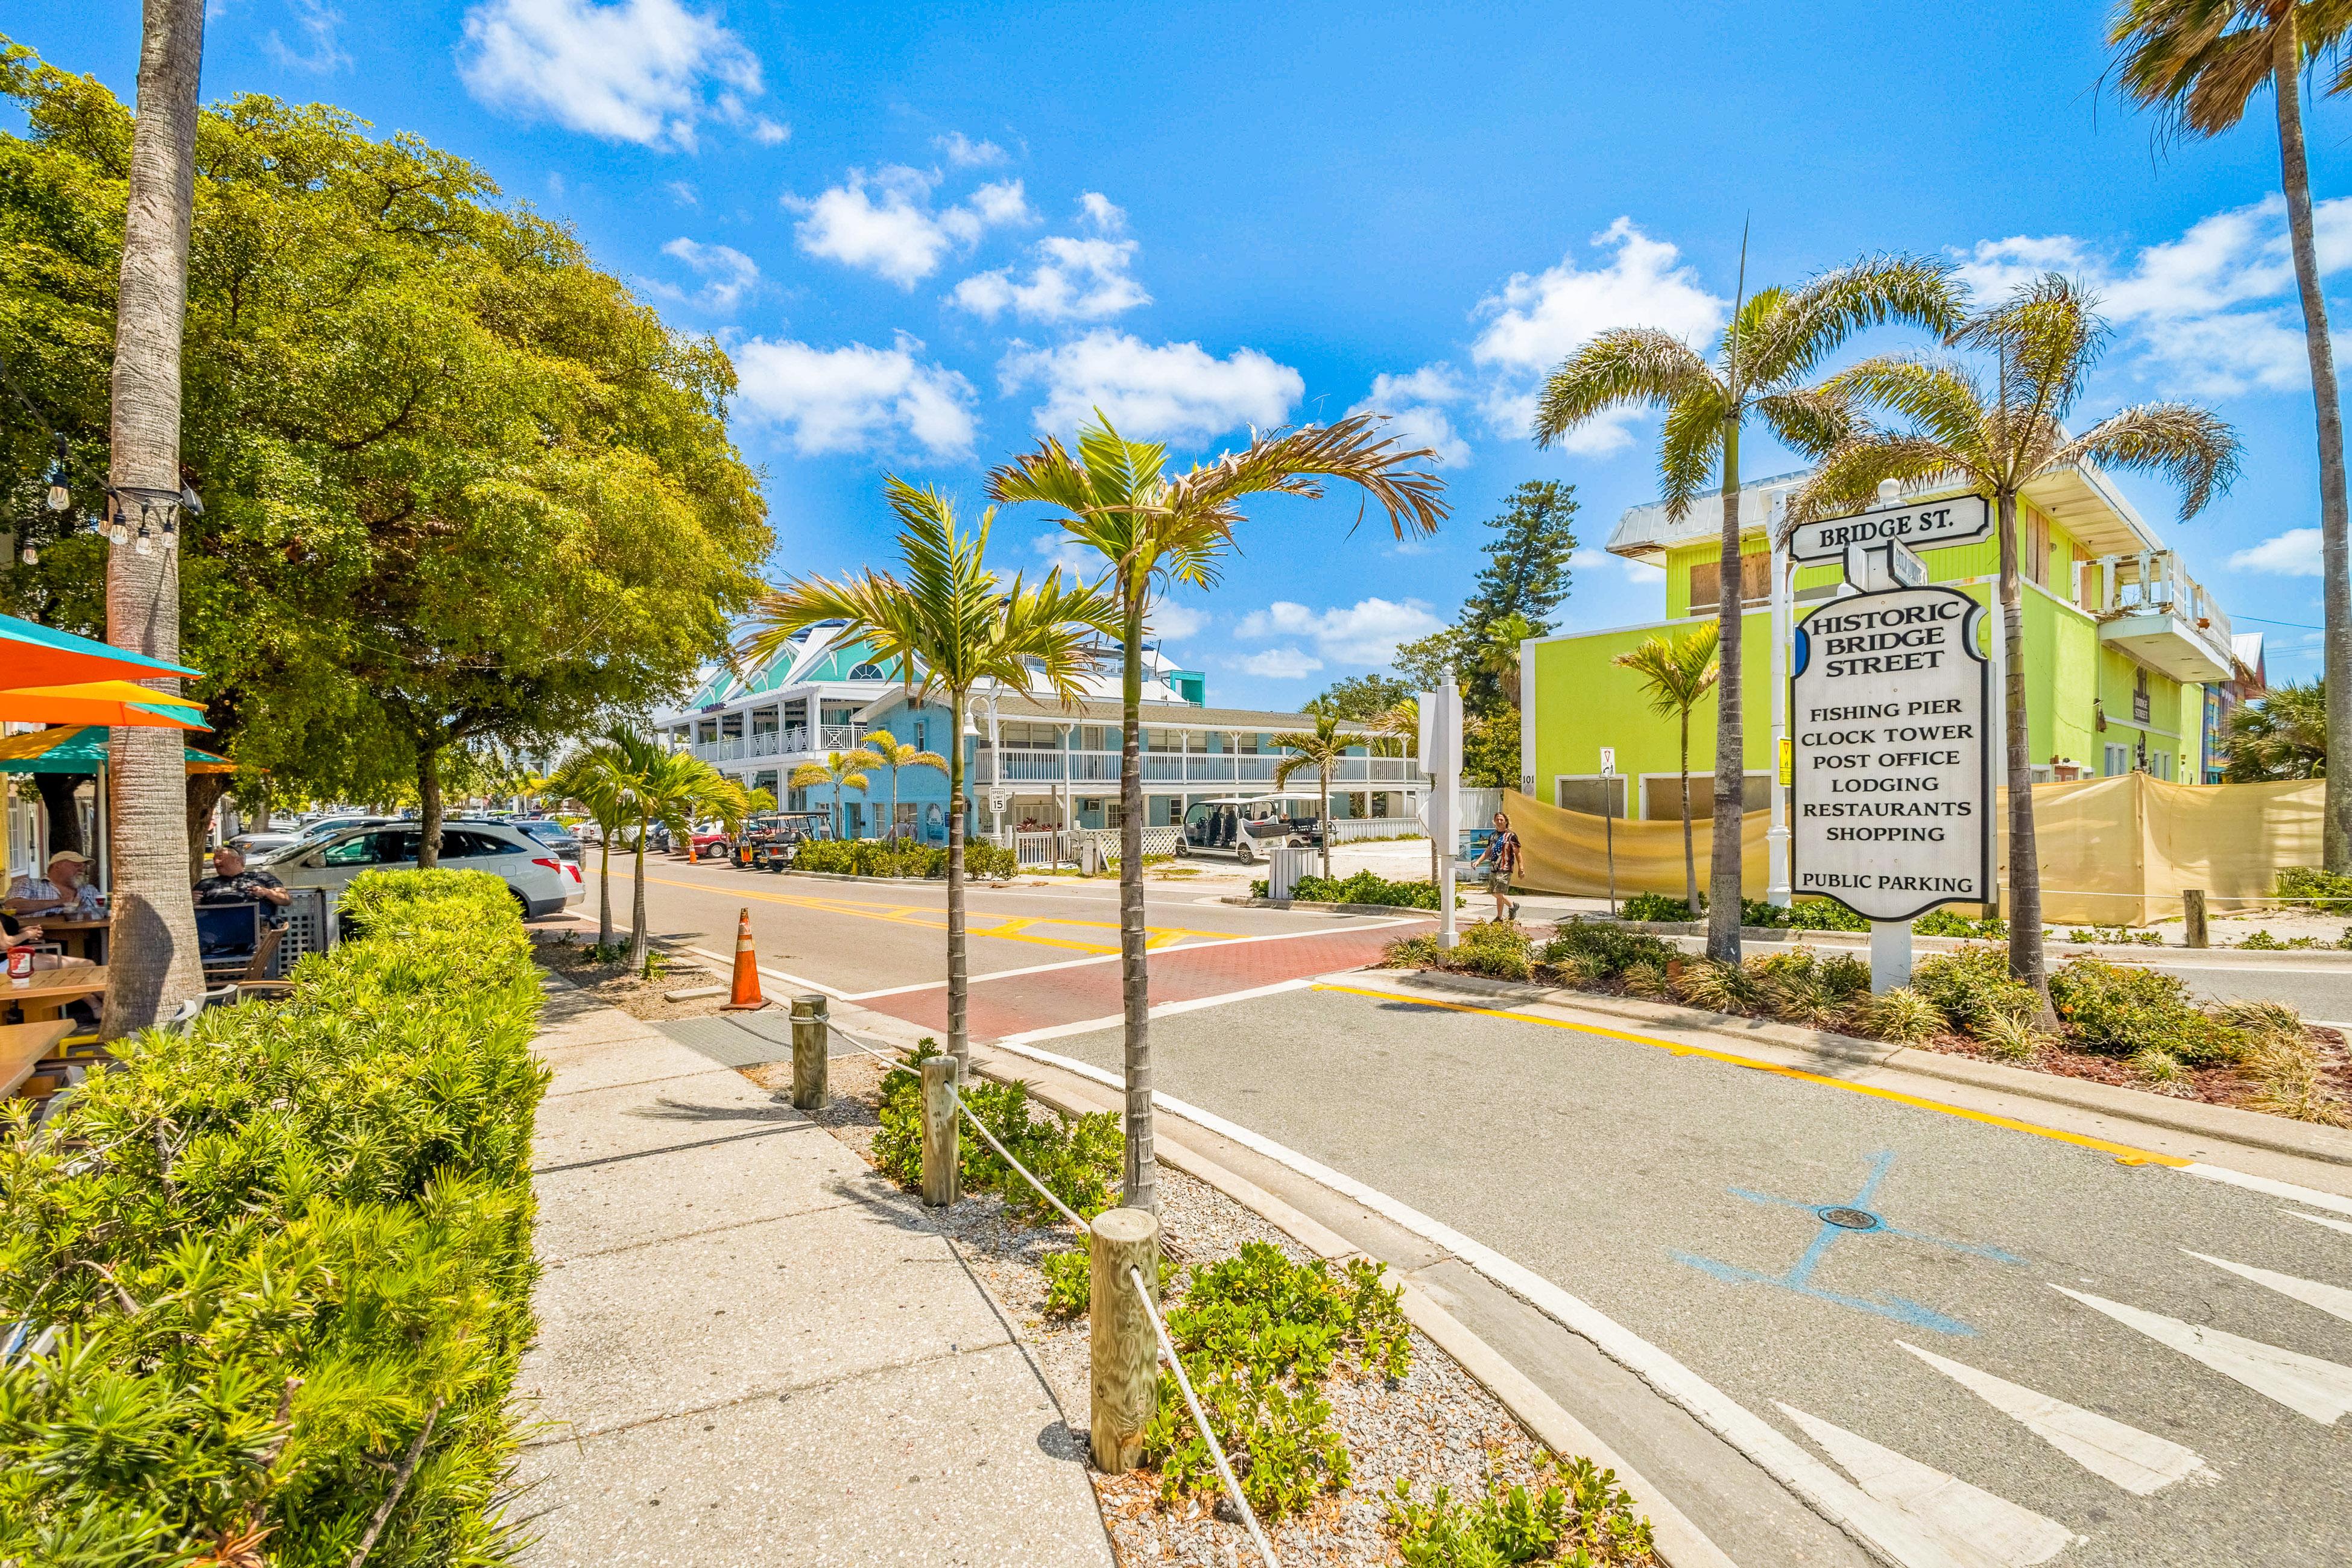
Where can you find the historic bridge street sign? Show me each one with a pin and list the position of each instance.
(1893, 796)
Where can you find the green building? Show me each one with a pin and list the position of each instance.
(2120, 646)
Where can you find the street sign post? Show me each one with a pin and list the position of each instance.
(1608, 819)
(1440, 755)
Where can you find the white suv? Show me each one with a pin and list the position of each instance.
(542, 882)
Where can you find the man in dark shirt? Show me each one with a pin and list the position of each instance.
(231, 883)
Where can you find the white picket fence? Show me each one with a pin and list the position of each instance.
(1061, 849)
(1354, 829)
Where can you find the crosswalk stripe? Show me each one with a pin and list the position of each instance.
(1973, 1524)
(2343, 1224)
(2305, 1384)
(2139, 1462)
(2331, 1299)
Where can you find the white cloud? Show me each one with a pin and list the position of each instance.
(1172, 391)
(1537, 320)
(2295, 554)
(966, 154)
(1074, 280)
(317, 22)
(647, 71)
(1173, 622)
(885, 222)
(1366, 632)
(728, 275)
(1416, 406)
(1074, 557)
(856, 397)
(1106, 215)
(684, 193)
(1280, 664)
(2210, 314)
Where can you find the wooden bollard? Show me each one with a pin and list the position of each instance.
(2192, 916)
(812, 1048)
(1125, 1351)
(943, 1172)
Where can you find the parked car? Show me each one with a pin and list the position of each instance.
(545, 830)
(542, 882)
(1245, 827)
(709, 840)
(769, 842)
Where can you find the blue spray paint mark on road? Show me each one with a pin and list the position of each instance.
(1853, 1217)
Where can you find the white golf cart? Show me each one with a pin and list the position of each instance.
(1244, 827)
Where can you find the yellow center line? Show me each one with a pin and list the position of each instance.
(2124, 1152)
(1008, 928)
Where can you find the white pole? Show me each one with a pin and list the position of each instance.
(1776, 888)
(1997, 741)
(1890, 955)
(1445, 802)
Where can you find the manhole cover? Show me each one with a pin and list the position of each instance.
(1850, 1219)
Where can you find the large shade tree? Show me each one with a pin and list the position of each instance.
(1775, 340)
(2198, 64)
(1995, 440)
(950, 625)
(1157, 530)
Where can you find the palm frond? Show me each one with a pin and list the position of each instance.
(1808, 420)
(1675, 671)
(1847, 477)
(2045, 337)
(2197, 63)
(2194, 447)
(1939, 396)
(1355, 450)
(1690, 449)
(1624, 367)
(1804, 328)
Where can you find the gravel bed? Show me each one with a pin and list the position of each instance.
(1433, 1426)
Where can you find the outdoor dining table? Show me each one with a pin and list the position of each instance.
(44, 995)
(80, 939)
(22, 1045)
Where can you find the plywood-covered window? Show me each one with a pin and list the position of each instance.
(1706, 581)
(2037, 547)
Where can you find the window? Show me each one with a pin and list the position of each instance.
(2117, 762)
(1586, 794)
(1706, 581)
(922, 734)
(355, 851)
(2037, 547)
(868, 672)
(1662, 796)
(457, 844)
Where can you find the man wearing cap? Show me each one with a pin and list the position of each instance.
(231, 883)
(65, 892)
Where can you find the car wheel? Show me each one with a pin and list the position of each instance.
(522, 905)
(1245, 853)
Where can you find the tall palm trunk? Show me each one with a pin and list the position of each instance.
(428, 809)
(958, 1036)
(2025, 958)
(605, 887)
(1142, 1169)
(1690, 864)
(1731, 733)
(2335, 546)
(637, 913)
(152, 947)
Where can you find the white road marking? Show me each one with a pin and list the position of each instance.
(2305, 1384)
(1892, 1532)
(2139, 1462)
(2333, 1300)
(726, 963)
(2287, 1190)
(1977, 1526)
(2344, 1226)
(1160, 1010)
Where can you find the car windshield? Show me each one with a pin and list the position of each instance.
(545, 832)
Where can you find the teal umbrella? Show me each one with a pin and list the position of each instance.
(82, 750)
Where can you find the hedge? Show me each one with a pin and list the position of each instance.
(273, 1275)
(886, 857)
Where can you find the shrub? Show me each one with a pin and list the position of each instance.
(1605, 949)
(281, 1249)
(1363, 887)
(2290, 1081)
(1077, 1161)
(1901, 1015)
(1718, 987)
(2125, 936)
(1069, 1283)
(1761, 912)
(1644, 979)
(2120, 1009)
(1413, 953)
(1816, 991)
(1494, 948)
(1823, 914)
(2158, 1066)
(2310, 885)
(1583, 1517)
(1973, 985)
(1655, 907)
(2012, 1037)
(898, 858)
(1944, 922)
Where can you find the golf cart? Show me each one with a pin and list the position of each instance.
(1244, 827)
(769, 842)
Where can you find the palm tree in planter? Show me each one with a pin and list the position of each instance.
(1675, 673)
(894, 755)
(842, 770)
(1155, 531)
(2198, 63)
(597, 776)
(1321, 749)
(2044, 338)
(952, 625)
(671, 789)
(1774, 342)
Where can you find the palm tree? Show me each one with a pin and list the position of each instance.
(669, 788)
(1498, 651)
(152, 947)
(1320, 750)
(959, 625)
(1675, 672)
(896, 754)
(2046, 338)
(2282, 734)
(597, 776)
(842, 770)
(1156, 529)
(2197, 63)
(759, 802)
(1773, 343)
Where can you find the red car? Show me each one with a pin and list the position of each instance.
(710, 842)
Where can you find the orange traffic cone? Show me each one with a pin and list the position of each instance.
(747, 995)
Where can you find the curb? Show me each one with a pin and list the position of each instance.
(1328, 909)
(2145, 953)
(2250, 1129)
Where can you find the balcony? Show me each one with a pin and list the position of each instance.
(1252, 771)
(792, 742)
(2149, 608)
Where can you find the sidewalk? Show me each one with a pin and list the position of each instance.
(752, 1349)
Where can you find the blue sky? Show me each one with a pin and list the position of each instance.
(928, 233)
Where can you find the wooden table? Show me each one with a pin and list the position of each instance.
(46, 994)
(81, 939)
(22, 1045)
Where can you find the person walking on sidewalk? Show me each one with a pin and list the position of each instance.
(1502, 862)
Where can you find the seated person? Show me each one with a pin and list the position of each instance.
(14, 933)
(65, 892)
(231, 883)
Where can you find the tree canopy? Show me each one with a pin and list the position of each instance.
(459, 486)
(2282, 734)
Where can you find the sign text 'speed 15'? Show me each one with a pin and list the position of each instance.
(1892, 793)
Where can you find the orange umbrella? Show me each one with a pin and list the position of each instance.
(115, 702)
(36, 654)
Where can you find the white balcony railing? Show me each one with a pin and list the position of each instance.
(2130, 594)
(1012, 766)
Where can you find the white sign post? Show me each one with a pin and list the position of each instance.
(1893, 788)
(1440, 755)
(1608, 819)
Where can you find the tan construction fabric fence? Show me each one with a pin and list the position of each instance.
(2114, 851)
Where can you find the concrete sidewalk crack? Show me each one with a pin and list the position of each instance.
(706, 1230)
(669, 1148)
